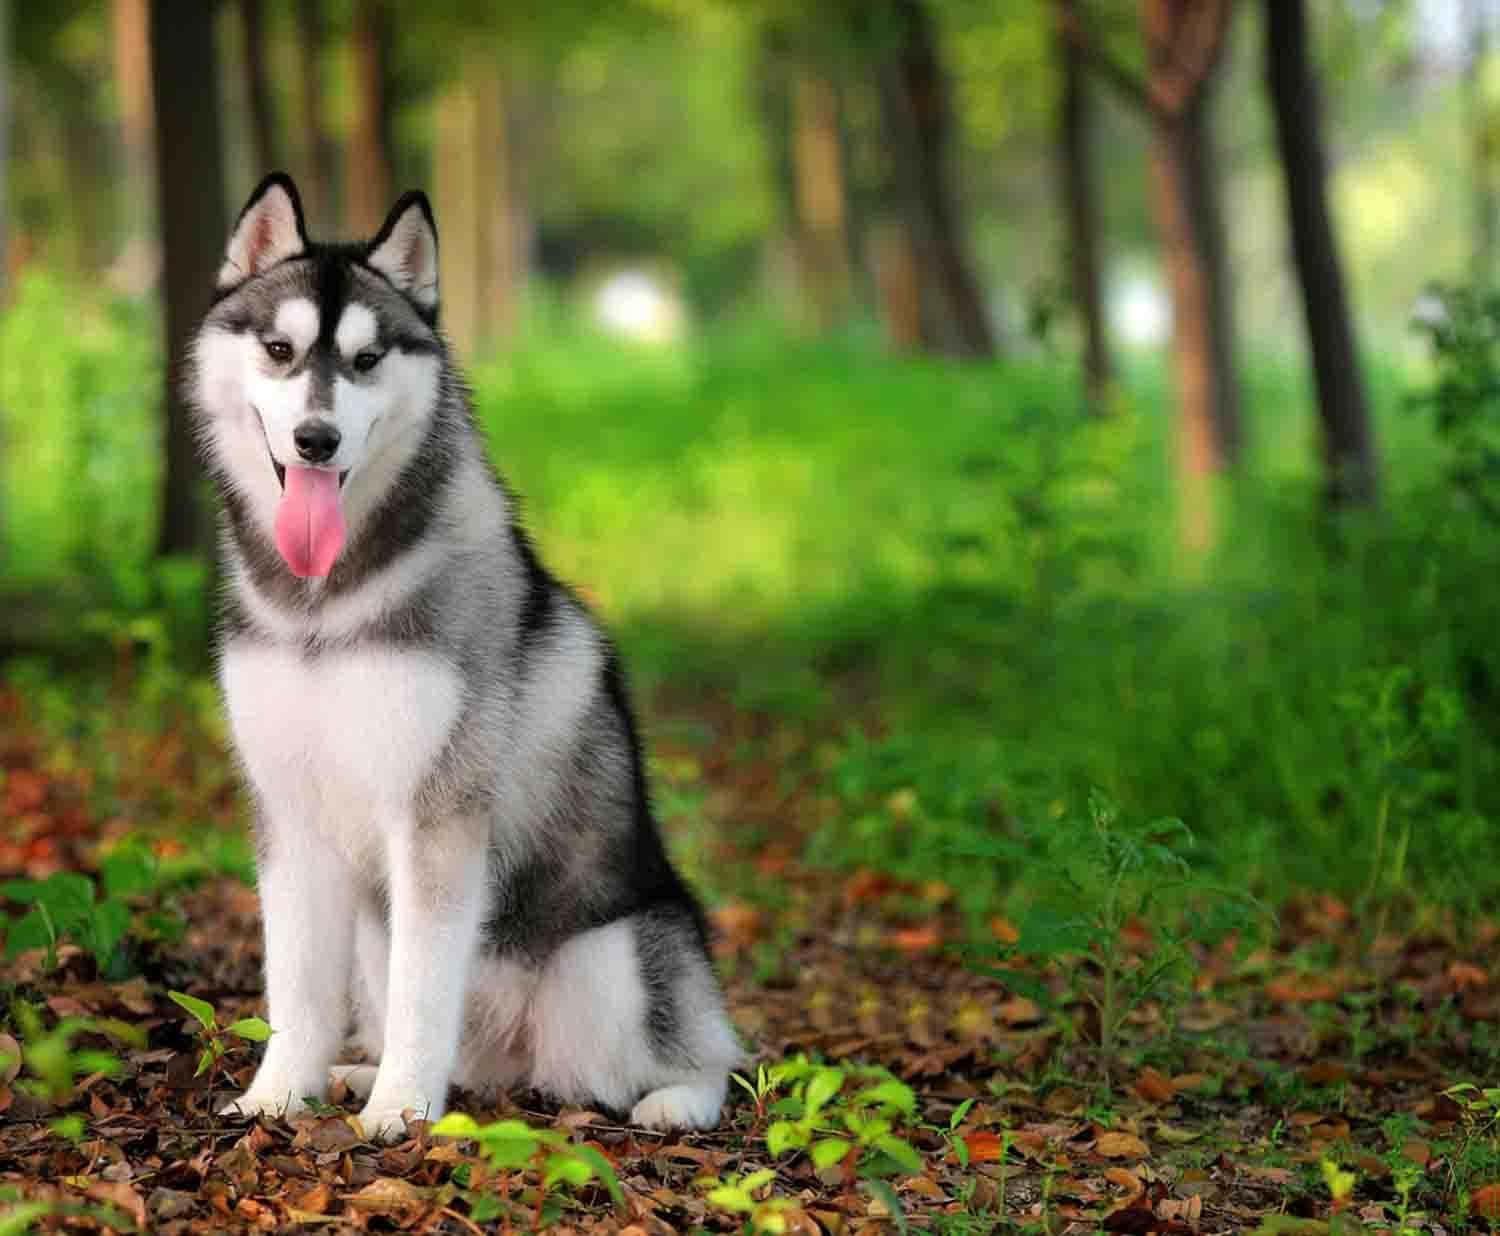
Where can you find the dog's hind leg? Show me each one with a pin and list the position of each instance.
(629, 1015)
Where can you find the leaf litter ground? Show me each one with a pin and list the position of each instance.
(1301, 1088)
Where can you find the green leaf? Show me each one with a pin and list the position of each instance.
(784, 1135)
(890, 1093)
(486, 1207)
(567, 1168)
(959, 1113)
(902, 1151)
(604, 1170)
(824, 1085)
(32, 930)
(205, 1062)
(20, 1219)
(732, 1197)
(201, 1010)
(456, 1124)
(879, 1188)
(755, 1180)
(828, 1151)
(126, 870)
(251, 1028)
(104, 927)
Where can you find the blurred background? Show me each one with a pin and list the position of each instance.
(952, 405)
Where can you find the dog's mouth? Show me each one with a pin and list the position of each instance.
(310, 527)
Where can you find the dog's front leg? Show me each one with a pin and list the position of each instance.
(307, 905)
(437, 878)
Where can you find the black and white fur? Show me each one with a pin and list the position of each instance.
(454, 836)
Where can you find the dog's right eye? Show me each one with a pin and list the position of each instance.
(279, 350)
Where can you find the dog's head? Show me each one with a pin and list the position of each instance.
(318, 367)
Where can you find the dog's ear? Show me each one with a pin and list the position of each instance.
(405, 250)
(269, 230)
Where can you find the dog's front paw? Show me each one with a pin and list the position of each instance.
(389, 1121)
(258, 1101)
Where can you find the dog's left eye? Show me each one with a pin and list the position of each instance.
(366, 361)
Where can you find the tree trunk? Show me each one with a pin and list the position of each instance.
(1348, 438)
(190, 208)
(132, 66)
(316, 153)
(1075, 124)
(1482, 140)
(1185, 203)
(482, 244)
(258, 89)
(367, 184)
(914, 101)
(822, 230)
(4, 163)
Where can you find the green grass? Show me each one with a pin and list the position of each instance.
(968, 596)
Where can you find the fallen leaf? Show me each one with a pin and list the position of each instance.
(1018, 1011)
(912, 940)
(984, 1147)
(1485, 1201)
(1121, 1146)
(1154, 1087)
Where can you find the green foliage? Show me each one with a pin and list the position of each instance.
(98, 916)
(1462, 324)
(216, 1038)
(1094, 877)
(836, 1126)
(52, 1061)
(515, 1146)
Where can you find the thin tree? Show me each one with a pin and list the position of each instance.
(130, 30)
(1482, 138)
(191, 216)
(918, 120)
(257, 87)
(367, 181)
(1348, 438)
(1080, 208)
(316, 152)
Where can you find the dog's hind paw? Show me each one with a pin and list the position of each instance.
(680, 1107)
(390, 1124)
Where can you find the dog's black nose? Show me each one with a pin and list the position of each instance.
(316, 441)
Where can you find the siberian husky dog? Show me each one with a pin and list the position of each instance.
(454, 841)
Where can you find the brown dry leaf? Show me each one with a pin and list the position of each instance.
(1302, 989)
(1325, 1073)
(315, 1201)
(923, 1186)
(1485, 1201)
(914, 940)
(738, 925)
(1121, 1146)
(1417, 1151)
(328, 1133)
(1018, 1011)
(11, 1050)
(386, 1193)
(986, 1147)
(1004, 930)
(1154, 1087)
(120, 1193)
(1465, 976)
(866, 885)
(1124, 1179)
(1207, 1015)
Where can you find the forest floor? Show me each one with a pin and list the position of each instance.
(1304, 1085)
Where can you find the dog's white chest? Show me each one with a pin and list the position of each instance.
(341, 741)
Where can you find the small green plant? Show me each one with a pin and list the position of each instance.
(737, 1195)
(857, 1130)
(510, 1146)
(53, 1063)
(1477, 1155)
(218, 1041)
(1097, 877)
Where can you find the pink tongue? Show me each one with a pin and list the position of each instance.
(310, 522)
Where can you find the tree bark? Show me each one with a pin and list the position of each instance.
(1482, 140)
(1076, 182)
(1349, 450)
(132, 66)
(1184, 39)
(190, 209)
(821, 219)
(258, 88)
(914, 102)
(367, 184)
(316, 154)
